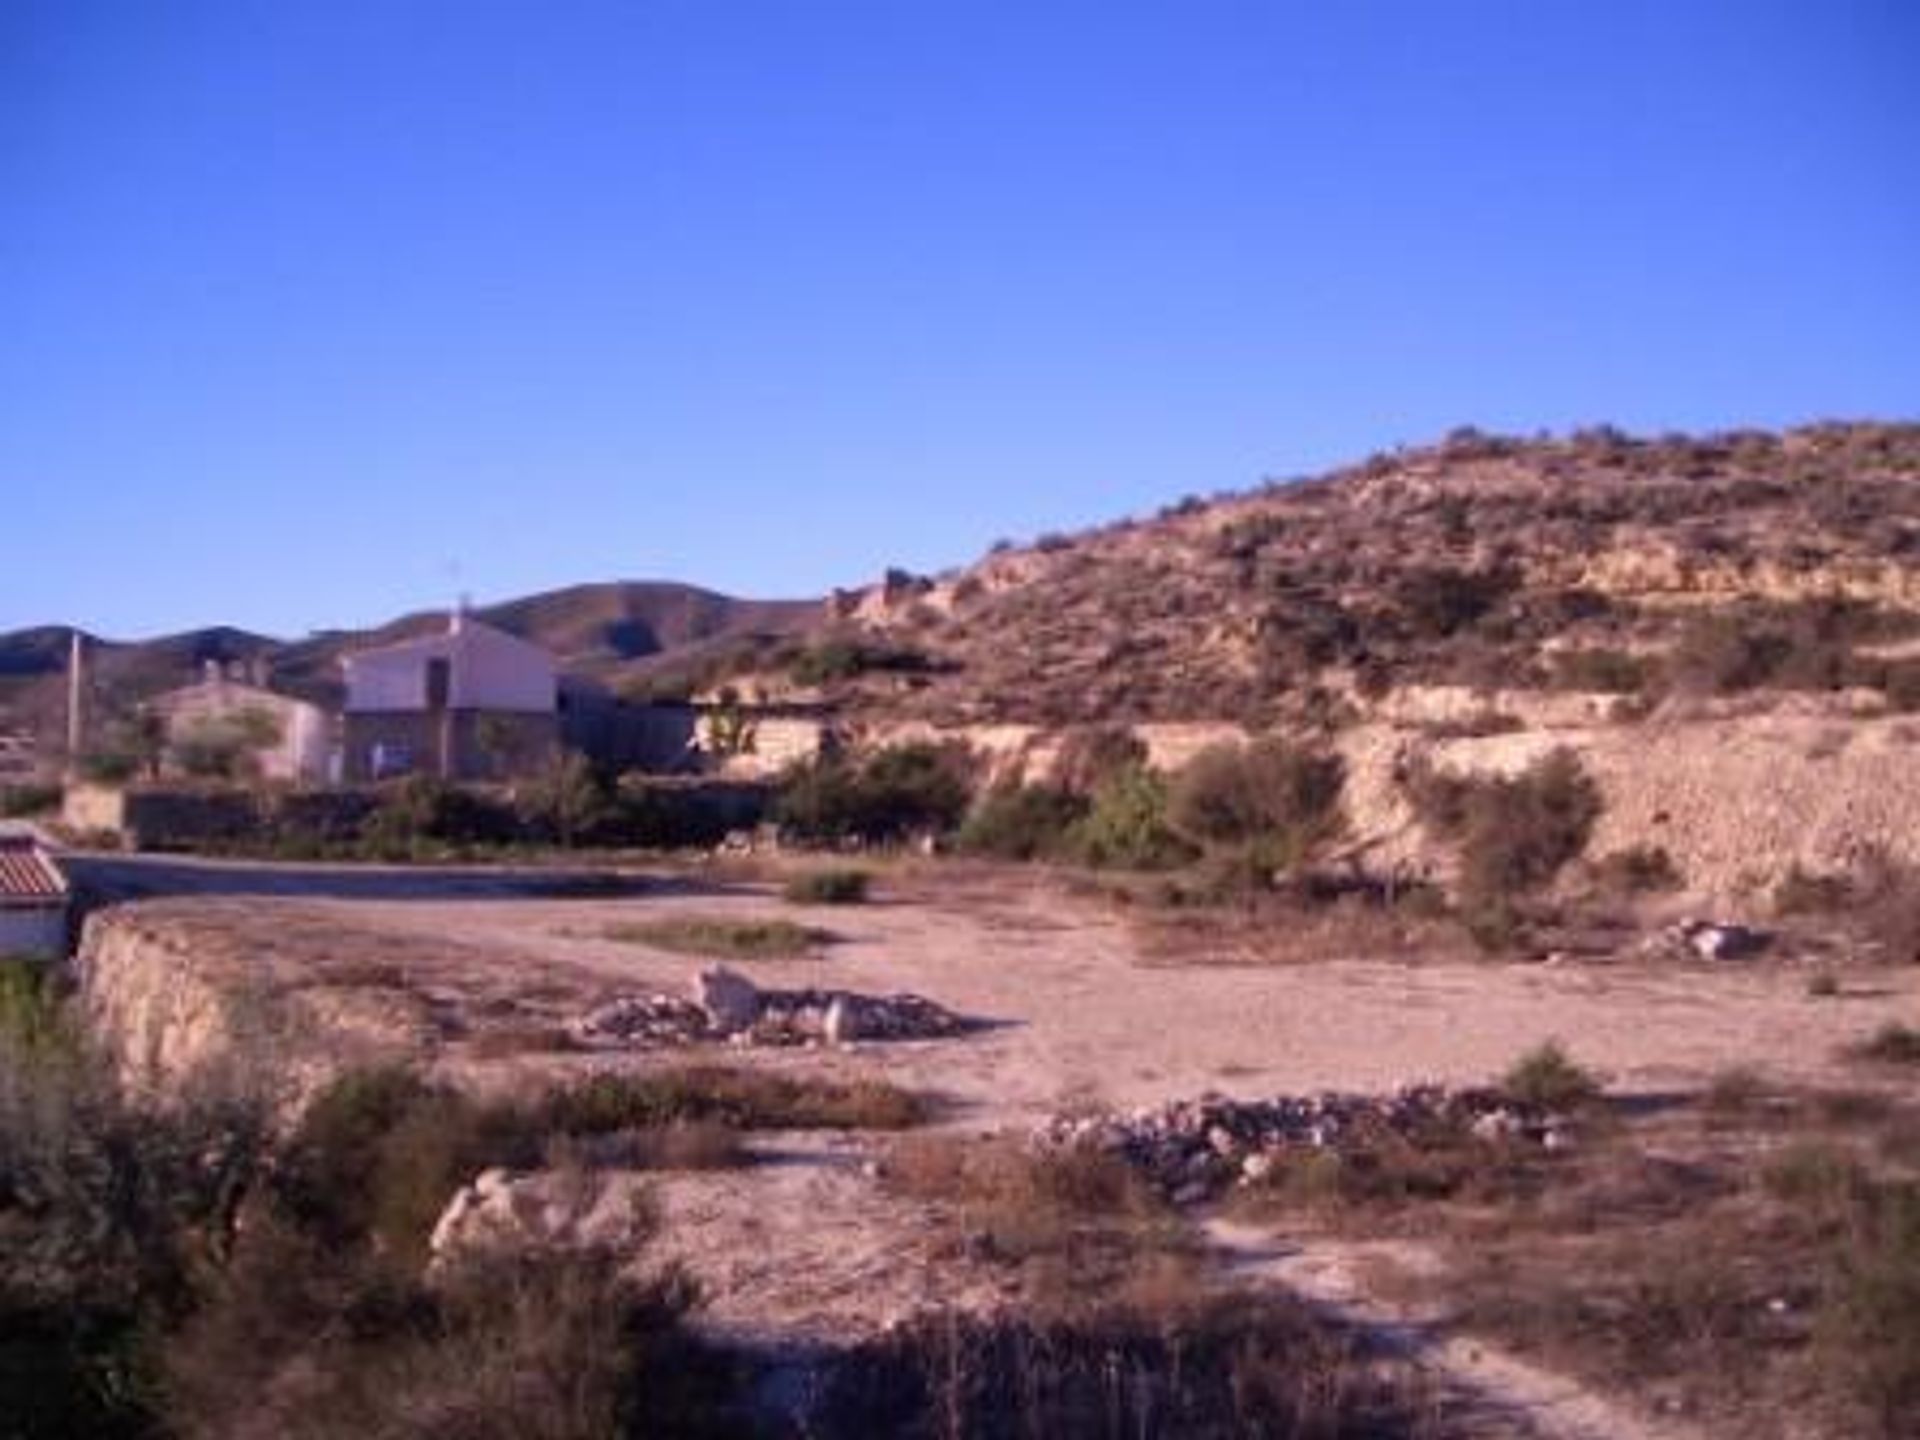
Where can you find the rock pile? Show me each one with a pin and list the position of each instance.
(1194, 1149)
(1706, 940)
(727, 1006)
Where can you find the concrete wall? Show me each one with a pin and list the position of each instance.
(455, 744)
(39, 931)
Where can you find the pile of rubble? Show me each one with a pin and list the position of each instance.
(1194, 1149)
(1705, 940)
(726, 1006)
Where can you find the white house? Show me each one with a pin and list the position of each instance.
(34, 899)
(471, 703)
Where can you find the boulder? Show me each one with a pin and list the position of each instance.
(730, 1000)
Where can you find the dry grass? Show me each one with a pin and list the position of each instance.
(1753, 1261)
(1079, 1226)
(740, 1099)
(721, 938)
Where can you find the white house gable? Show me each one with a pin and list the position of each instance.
(473, 666)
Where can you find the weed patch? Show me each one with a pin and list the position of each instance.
(722, 939)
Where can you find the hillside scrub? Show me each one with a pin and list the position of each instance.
(1513, 834)
(1126, 827)
(889, 795)
(1023, 822)
(177, 1273)
(1279, 798)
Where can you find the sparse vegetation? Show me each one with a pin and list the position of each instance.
(1546, 1077)
(888, 795)
(1637, 870)
(1514, 833)
(1278, 798)
(1892, 1044)
(1126, 824)
(1023, 822)
(837, 886)
(725, 939)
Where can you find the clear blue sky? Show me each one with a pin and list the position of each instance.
(311, 313)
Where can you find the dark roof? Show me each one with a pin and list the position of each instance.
(27, 873)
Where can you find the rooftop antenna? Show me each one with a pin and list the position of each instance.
(463, 602)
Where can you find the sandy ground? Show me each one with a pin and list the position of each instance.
(808, 1247)
(1078, 1020)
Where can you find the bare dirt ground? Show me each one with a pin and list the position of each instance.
(1079, 1020)
(808, 1246)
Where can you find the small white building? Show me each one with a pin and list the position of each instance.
(34, 900)
(471, 703)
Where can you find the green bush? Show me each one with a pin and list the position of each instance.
(1022, 822)
(566, 802)
(1126, 825)
(29, 799)
(1547, 1078)
(1283, 797)
(919, 788)
(829, 887)
(421, 808)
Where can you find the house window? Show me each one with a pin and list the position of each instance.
(387, 759)
(439, 683)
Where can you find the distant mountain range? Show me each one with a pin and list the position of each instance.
(615, 632)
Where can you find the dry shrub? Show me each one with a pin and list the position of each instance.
(298, 1340)
(1546, 1078)
(843, 886)
(1869, 1325)
(724, 939)
(1232, 1366)
(739, 1099)
(1080, 1222)
(1892, 1044)
(1283, 796)
(1514, 833)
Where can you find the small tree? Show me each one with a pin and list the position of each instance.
(568, 798)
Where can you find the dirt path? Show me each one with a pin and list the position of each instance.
(1505, 1391)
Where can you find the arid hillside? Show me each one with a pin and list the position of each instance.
(1598, 563)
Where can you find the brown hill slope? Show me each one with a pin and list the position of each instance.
(1477, 560)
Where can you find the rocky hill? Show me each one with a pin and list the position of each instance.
(1594, 562)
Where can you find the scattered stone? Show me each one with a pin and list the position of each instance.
(1194, 1149)
(729, 1008)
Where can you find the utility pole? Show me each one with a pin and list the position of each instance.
(76, 693)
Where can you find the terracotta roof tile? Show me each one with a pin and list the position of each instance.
(27, 873)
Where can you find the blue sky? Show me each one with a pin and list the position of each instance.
(311, 313)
